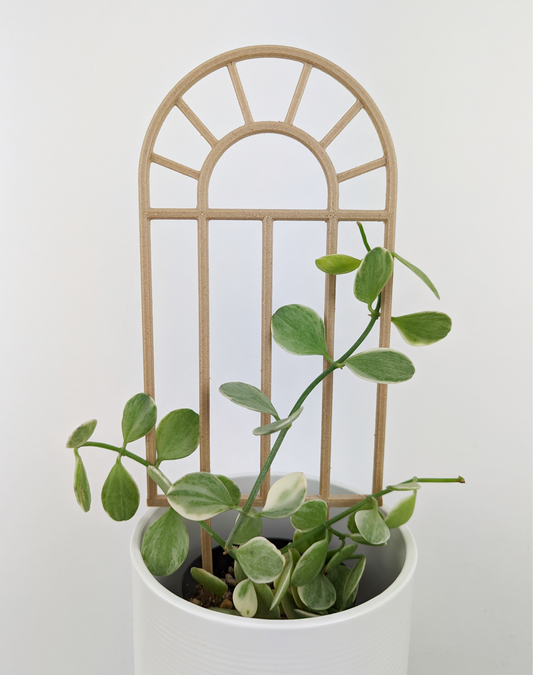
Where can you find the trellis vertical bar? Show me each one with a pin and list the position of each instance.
(266, 339)
(204, 404)
(327, 386)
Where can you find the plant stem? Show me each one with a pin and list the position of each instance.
(363, 235)
(121, 451)
(214, 535)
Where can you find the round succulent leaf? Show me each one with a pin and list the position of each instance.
(209, 581)
(296, 597)
(81, 434)
(159, 478)
(139, 417)
(401, 512)
(303, 614)
(338, 577)
(337, 263)
(285, 496)
(381, 365)
(232, 488)
(301, 547)
(352, 581)
(310, 564)
(342, 555)
(318, 594)
(248, 396)
(120, 494)
(409, 485)
(264, 602)
(359, 539)
(311, 514)
(260, 560)
(177, 435)
(245, 598)
(282, 583)
(372, 275)
(372, 526)
(82, 489)
(299, 330)
(199, 496)
(288, 605)
(423, 328)
(278, 425)
(252, 527)
(418, 273)
(165, 544)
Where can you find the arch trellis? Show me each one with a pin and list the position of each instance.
(203, 214)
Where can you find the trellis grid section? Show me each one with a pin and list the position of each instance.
(203, 214)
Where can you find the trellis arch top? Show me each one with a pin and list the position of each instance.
(203, 213)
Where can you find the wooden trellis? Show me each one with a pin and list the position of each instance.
(203, 214)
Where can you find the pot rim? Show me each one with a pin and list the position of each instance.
(151, 582)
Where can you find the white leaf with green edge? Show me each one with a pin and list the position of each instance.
(248, 396)
(209, 581)
(260, 560)
(285, 496)
(341, 556)
(120, 494)
(177, 435)
(300, 330)
(381, 365)
(282, 583)
(352, 581)
(401, 512)
(81, 434)
(310, 515)
(310, 564)
(373, 273)
(418, 273)
(372, 526)
(139, 417)
(264, 602)
(271, 428)
(245, 598)
(337, 263)
(318, 594)
(199, 496)
(233, 490)
(159, 478)
(82, 489)
(423, 328)
(251, 528)
(409, 485)
(165, 544)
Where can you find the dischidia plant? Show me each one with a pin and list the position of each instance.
(305, 578)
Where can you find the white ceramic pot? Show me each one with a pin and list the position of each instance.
(174, 637)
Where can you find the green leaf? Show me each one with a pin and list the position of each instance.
(238, 572)
(310, 564)
(289, 606)
(418, 273)
(165, 544)
(300, 330)
(177, 434)
(352, 581)
(386, 366)
(260, 560)
(401, 512)
(318, 594)
(310, 515)
(209, 581)
(199, 496)
(232, 488)
(410, 485)
(341, 556)
(252, 527)
(283, 581)
(372, 526)
(120, 494)
(249, 397)
(245, 598)
(303, 546)
(268, 429)
(159, 478)
(302, 614)
(285, 496)
(138, 418)
(81, 434)
(373, 274)
(82, 489)
(423, 328)
(338, 577)
(264, 602)
(337, 263)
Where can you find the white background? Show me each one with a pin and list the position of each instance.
(80, 83)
